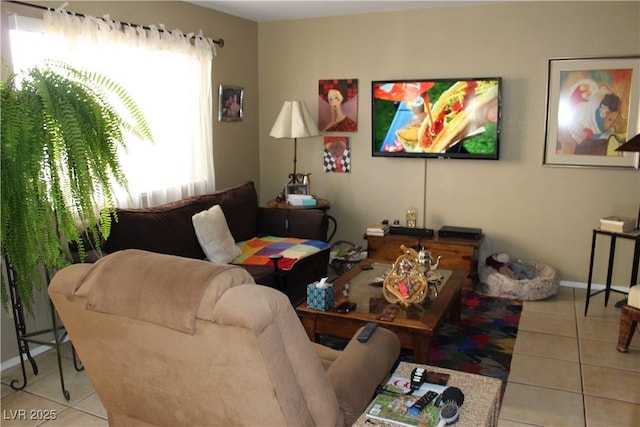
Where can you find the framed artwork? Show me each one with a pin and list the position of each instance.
(592, 109)
(337, 154)
(338, 105)
(298, 189)
(230, 103)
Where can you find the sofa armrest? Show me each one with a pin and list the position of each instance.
(301, 223)
(361, 368)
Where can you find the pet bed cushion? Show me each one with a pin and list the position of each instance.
(544, 283)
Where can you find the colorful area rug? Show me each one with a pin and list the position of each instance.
(482, 343)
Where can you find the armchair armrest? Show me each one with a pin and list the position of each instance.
(302, 223)
(361, 368)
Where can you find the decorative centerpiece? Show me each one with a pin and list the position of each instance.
(411, 277)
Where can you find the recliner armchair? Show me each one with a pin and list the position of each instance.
(169, 340)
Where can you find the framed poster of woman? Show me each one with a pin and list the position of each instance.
(338, 105)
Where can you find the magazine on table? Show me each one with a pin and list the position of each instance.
(393, 403)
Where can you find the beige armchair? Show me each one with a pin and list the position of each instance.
(172, 341)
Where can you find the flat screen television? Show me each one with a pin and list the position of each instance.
(439, 118)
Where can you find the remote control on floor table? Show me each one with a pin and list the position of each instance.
(418, 377)
(367, 332)
(422, 403)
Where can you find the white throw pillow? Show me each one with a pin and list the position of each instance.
(214, 235)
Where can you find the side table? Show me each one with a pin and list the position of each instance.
(632, 235)
(481, 405)
(322, 205)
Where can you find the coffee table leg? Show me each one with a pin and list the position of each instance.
(421, 349)
(309, 324)
(454, 312)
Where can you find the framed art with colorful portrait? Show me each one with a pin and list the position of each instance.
(337, 154)
(338, 105)
(592, 109)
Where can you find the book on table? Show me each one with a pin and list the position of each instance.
(393, 404)
(618, 224)
(378, 230)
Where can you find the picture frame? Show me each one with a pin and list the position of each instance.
(230, 103)
(298, 189)
(336, 154)
(338, 105)
(592, 108)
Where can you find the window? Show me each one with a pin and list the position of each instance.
(168, 78)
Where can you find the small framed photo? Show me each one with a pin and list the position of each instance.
(298, 189)
(592, 109)
(230, 100)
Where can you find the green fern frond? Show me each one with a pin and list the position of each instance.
(60, 135)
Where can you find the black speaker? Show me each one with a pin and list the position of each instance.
(460, 232)
(411, 231)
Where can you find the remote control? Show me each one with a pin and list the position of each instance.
(418, 376)
(367, 332)
(422, 403)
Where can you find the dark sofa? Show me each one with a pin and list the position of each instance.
(168, 229)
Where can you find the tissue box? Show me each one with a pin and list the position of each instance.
(319, 298)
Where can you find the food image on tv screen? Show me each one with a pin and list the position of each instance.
(449, 118)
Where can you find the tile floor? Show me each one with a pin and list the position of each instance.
(565, 371)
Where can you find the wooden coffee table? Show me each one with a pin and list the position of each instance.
(415, 325)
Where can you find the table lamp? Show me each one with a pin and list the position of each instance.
(294, 121)
(632, 145)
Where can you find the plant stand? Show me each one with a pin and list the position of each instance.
(25, 338)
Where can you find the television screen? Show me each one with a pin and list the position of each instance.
(439, 118)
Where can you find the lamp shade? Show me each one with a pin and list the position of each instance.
(294, 121)
(631, 145)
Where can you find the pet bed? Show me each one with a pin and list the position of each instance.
(544, 282)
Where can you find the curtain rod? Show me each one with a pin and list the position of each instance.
(219, 42)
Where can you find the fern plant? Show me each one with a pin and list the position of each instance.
(60, 135)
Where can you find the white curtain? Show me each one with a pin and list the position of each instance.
(169, 78)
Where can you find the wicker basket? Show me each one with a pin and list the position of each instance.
(345, 255)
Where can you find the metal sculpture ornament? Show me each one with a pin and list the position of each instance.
(408, 282)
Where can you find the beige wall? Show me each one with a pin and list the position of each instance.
(525, 209)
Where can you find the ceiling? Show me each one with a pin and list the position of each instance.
(266, 11)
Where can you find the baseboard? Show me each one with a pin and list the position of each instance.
(14, 361)
(594, 286)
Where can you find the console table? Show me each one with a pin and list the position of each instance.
(457, 254)
(632, 235)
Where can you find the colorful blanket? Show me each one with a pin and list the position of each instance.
(258, 250)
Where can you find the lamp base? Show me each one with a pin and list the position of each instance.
(296, 178)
